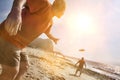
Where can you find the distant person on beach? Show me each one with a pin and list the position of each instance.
(17, 31)
(81, 63)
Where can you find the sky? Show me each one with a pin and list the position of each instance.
(92, 25)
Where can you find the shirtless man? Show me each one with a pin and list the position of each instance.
(81, 63)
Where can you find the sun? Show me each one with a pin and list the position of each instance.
(81, 23)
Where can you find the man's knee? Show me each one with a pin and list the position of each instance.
(24, 66)
(24, 63)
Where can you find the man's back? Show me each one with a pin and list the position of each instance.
(81, 63)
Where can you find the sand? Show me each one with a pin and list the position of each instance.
(49, 66)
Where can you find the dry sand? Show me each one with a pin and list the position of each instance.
(49, 66)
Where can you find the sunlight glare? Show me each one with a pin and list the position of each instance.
(81, 23)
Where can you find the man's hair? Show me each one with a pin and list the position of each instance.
(59, 4)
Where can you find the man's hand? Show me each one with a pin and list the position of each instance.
(13, 22)
(55, 40)
(50, 36)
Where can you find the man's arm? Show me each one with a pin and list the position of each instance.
(50, 36)
(14, 19)
(77, 63)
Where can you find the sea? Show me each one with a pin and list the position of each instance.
(111, 70)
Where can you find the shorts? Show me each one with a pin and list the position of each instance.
(10, 55)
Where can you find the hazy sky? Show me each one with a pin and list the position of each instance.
(93, 25)
(90, 24)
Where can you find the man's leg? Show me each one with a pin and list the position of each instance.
(76, 72)
(9, 60)
(80, 72)
(24, 64)
(9, 72)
